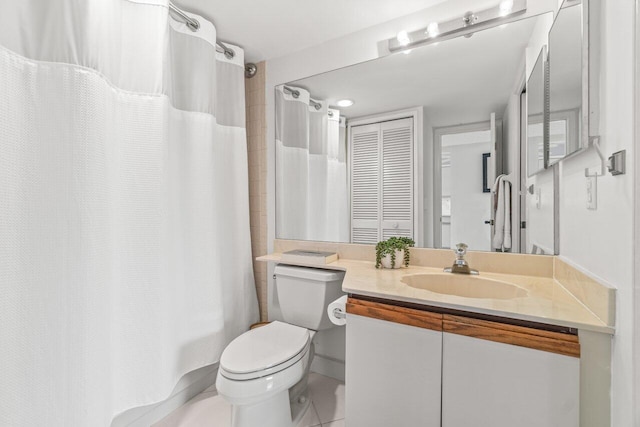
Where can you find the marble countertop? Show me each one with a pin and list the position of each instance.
(547, 301)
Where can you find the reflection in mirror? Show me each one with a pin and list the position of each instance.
(565, 82)
(311, 171)
(536, 138)
(419, 152)
(465, 203)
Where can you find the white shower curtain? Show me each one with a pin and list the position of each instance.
(125, 256)
(311, 170)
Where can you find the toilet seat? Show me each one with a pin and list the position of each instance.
(264, 351)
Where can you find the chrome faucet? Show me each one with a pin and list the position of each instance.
(460, 265)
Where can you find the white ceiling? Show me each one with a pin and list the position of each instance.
(270, 29)
(462, 80)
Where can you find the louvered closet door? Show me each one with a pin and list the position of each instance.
(382, 181)
(397, 178)
(365, 183)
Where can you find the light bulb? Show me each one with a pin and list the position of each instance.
(506, 6)
(432, 29)
(403, 38)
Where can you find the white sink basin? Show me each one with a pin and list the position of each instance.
(463, 285)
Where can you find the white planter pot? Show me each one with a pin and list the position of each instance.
(386, 260)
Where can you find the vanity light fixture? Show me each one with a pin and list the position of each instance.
(344, 103)
(505, 10)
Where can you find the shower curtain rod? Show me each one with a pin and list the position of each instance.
(194, 26)
(296, 94)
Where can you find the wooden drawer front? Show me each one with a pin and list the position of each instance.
(392, 313)
(537, 339)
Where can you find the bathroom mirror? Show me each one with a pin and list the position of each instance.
(409, 144)
(567, 134)
(537, 126)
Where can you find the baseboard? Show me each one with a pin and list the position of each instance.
(189, 386)
(329, 367)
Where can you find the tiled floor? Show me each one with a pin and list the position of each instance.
(210, 410)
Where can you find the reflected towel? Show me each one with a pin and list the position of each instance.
(502, 213)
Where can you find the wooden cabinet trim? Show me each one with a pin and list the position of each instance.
(470, 315)
(391, 313)
(523, 337)
(538, 339)
(512, 328)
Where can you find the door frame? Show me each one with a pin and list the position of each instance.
(636, 207)
(438, 133)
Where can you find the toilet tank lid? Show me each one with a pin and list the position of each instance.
(317, 274)
(263, 348)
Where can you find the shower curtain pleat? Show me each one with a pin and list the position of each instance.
(125, 253)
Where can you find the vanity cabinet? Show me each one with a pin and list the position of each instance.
(394, 367)
(496, 375)
(414, 367)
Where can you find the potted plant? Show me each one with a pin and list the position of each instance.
(389, 252)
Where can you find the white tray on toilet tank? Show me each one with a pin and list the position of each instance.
(309, 257)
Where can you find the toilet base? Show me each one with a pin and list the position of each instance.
(299, 407)
(273, 412)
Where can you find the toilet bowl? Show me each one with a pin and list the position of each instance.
(263, 373)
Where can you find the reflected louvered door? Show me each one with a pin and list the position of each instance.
(397, 178)
(365, 183)
(381, 181)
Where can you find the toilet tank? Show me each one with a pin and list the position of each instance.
(304, 294)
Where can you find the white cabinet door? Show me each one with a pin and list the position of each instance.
(393, 374)
(492, 384)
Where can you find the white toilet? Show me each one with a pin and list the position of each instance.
(263, 373)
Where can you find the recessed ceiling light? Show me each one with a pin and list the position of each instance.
(403, 38)
(344, 103)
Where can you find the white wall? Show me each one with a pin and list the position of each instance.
(601, 241)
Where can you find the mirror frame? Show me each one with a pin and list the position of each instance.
(541, 59)
(590, 97)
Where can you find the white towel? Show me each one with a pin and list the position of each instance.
(502, 213)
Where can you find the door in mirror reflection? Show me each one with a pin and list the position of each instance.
(382, 180)
(465, 186)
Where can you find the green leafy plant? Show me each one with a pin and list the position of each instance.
(390, 246)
